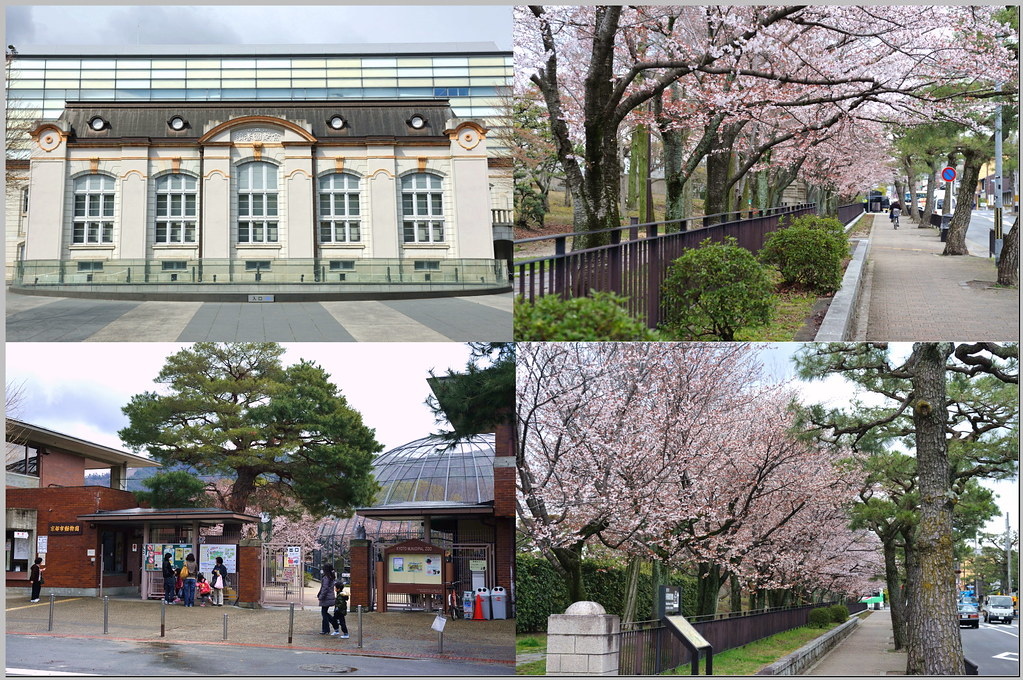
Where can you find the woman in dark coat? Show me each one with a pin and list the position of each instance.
(327, 599)
(35, 576)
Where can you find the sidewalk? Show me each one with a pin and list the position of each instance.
(394, 634)
(911, 292)
(867, 651)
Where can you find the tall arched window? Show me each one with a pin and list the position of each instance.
(422, 208)
(339, 208)
(175, 209)
(94, 210)
(257, 203)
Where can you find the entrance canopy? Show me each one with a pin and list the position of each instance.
(138, 516)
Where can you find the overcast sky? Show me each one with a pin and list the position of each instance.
(33, 25)
(79, 388)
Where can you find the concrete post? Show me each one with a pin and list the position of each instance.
(583, 641)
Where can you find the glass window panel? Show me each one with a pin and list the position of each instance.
(94, 206)
(168, 84)
(438, 231)
(61, 83)
(380, 92)
(379, 62)
(436, 200)
(271, 176)
(273, 63)
(132, 63)
(243, 178)
(275, 82)
(243, 232)
(325, 232)
(423, 231)
(351, 62)
(175, 205)
(203, 63)
(406, 204)
(175, 182)
(450, 61)
(308, 73)
(79, 233)
(498, 71)
(380, 82)
(308, 63)
(32, 63)
(309, 82)
(96, 84)
(271, 232)
(421, 208)
(257, 232)
(93, 232)
(27, 84)
(161, 232)
(354, 228)
(98, 75)
(243, 204)
(189, 182)
(451, 82)
(132, 84)
(344, 73)
(168, 73)
(257, 204)
(271, 204)
(190, 232)
(414, 61)
(353, 204)
(487, 81)
(448, 72)
(325, 204)
(256, 179)
(108, 232)
(79, 206)
(108, 205)
(246, 93)
(161, 205)
(175, 232)
(203, 83)
(239, 63)
(486, 61)
(410, 234)
(212, 73)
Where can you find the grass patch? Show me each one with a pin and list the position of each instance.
(531, 643)
(790, 314)
(538, 667)
(749, 659)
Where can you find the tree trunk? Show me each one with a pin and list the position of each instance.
(900, 193)
(1008, 262)
(936, 614)
(898, 605)
(911, 598)
(735, 601)
(632, 589)
(656, 578)
(956, 243)
(571, 563)
(719, 171)
(708, 586)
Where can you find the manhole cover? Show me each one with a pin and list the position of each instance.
(327, 668)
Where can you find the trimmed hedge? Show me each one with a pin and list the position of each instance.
(839, 613)
(809, 253)
(601, 316)
(540, 591)
(820, 617)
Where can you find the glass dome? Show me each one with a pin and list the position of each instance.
(434, 470)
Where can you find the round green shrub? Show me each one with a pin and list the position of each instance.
(820, 617)
(808, 253)
(714, 290)
(839, 613)
(598, 317)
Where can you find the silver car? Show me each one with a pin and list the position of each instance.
(997, 608)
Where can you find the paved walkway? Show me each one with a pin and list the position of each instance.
(462, 319)
(867, 651)
(911, 292)
(394, 634)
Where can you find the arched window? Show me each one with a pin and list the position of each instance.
(339, 208)
(94, 210)
(257, 203)
(176, 213)
(422, 208)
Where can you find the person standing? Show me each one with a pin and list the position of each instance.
(36, 578)
(169, 579)
(188, 574)
(219, 576)
(340, 608)
(327, 598)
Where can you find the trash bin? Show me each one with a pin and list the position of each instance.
(946, 220)
(875, 205)
(499, 602)
(468, 599)
(483, 595)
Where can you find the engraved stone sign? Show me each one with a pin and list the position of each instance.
(255, 134)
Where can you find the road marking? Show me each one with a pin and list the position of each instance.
(1004, 630)
(39, 604)
(32, 671)
(1007, 656)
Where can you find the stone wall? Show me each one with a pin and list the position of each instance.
(583, 641)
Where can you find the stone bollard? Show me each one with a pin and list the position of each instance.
(583, 641)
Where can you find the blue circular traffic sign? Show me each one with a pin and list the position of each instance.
(948, 174)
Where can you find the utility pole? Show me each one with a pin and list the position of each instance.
(1008, 557)
(998, 177)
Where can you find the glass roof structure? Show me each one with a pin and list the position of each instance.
(431, 469)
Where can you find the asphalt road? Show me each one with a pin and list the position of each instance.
(994, 647)
(981, 224)
(29, 654)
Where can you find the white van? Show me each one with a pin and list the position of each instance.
(998, 608)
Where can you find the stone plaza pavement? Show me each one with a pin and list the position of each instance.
(399, 635)
(460, 319)
(911, 292)
(867, 650)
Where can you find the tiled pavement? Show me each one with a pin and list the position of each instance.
(913, 293)
(460, 319)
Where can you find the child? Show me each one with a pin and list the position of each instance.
(341, 608)
(204, 590)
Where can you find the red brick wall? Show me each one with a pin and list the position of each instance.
(67, 562)
(250, 572)
(57, 467)
(360, 561)
(504, 471)
(504, 552)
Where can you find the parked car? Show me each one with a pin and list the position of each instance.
(969, 615)
(998, 608)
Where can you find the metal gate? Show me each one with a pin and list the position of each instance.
(463, 555)
(283, 575)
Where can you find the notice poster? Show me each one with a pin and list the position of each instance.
(293, 556)
(208, 554)
(152, 555)
(397, 564)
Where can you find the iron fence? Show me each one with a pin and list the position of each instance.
(649, 647)
(847, 212)
(634, 266)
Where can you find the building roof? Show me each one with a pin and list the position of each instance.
(171, 51)
(363, 118)
(208, 516)
(19, 430)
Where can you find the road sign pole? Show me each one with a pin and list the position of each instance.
(998, 177)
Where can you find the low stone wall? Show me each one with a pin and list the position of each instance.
(807, 655)
(582, 641)
(838, 321)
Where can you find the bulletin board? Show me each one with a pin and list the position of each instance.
(152, 554)
(419, 569)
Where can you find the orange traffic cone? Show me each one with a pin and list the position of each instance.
(477, 610)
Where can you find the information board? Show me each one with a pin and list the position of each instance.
(209, 552)
(152, 555)
(418, 569)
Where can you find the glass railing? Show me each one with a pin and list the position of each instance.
(450, 273)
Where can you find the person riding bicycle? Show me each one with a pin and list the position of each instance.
(893, 214)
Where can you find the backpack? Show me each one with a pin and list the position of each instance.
(184, 571)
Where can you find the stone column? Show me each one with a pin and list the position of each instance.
(250, 573)
(360, 561)
(582, 641)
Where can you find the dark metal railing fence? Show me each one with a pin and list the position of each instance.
(847, 212)
(635, 266)
(649, 647)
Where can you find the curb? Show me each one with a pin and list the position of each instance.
(804, 657)
(242, 293)
(838, 320)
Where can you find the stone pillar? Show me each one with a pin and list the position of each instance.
(582, 641)
(250, 573)
(359, 553)
(381, 587)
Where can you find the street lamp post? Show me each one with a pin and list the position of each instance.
(998, 178)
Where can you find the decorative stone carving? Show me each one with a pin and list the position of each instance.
(255, 134)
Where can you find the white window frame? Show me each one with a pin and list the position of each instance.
(174, 224)
(422, 208)
(93, 193)
(339, 208)
(257, 201)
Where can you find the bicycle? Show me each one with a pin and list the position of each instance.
(895, 218)
(454, 601)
